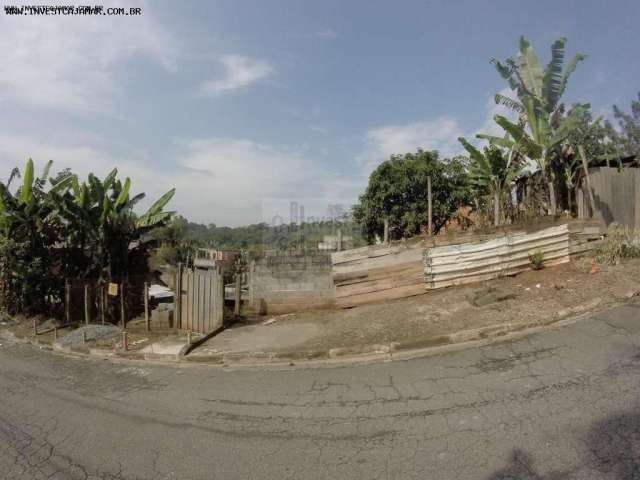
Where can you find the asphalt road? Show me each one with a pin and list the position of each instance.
(563, 404)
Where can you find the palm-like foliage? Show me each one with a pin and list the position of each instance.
(494, 169)
(101, 223)
(73, 230)
(27, 232)
(541, 130)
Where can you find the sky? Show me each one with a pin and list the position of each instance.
(246, 105)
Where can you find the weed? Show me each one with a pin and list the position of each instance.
(536, 259)
(621, 242)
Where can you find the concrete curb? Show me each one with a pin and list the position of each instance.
(341, 356)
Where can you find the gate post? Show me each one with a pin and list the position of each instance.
(238, 295)
(177, 301)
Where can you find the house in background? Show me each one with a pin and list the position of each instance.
(210, 258)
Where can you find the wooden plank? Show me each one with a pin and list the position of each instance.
(385, 295)
(198, 302)
(206, 303)
(380, 285)
(377, 274)
(373, 251)
(190, 302)
(406, 256)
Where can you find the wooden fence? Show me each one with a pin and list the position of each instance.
(380, 272)
(506, 255)
(616, 194)
(200, 300)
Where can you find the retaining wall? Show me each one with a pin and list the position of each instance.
(505, 255)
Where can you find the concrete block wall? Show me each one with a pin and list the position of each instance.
(291, 282)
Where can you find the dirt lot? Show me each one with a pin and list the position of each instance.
(529, 299)
(437, 317)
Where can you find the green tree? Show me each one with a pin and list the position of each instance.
(493, 170)
(102, 226)
(28, 233)
(542, 129)
(628, 136)
(397, 189)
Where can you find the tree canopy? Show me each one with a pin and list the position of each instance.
(397, 189)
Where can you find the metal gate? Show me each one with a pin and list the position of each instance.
(201, 300)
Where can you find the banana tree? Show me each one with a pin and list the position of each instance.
(544, 144)
(102, 223)
(538, 93)
(28, 230)
(494, 169)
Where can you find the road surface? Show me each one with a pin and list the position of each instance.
(563, 404)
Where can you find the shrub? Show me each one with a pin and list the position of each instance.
(621, 242)
(536, 259)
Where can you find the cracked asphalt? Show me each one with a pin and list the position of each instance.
(563, 404)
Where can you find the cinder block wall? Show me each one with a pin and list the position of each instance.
(291, 282)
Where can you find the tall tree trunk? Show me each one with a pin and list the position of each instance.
(585, 166)
(386, 230)
(496, 208)
(553, 207)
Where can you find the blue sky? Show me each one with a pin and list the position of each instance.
(242, 104)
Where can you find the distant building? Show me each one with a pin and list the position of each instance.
(209, 258)
(330, 243)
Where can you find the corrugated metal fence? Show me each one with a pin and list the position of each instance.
(475, 262)
(201, 300)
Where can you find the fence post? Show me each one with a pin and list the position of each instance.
(429, 205)
(122, 315)
(86, 304)
(67, 301)
(125, 341)
(35, 328)
(146, 306)
(177, 300)
(386, 230)
(586, 176)
(103, 302)
(339, 241)
(238, 295)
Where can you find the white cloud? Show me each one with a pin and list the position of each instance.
(70, 62)
(240, 71)
(440, 134)
(229, 181)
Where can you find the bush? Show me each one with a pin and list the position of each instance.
(621, 242)
(536, 259)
